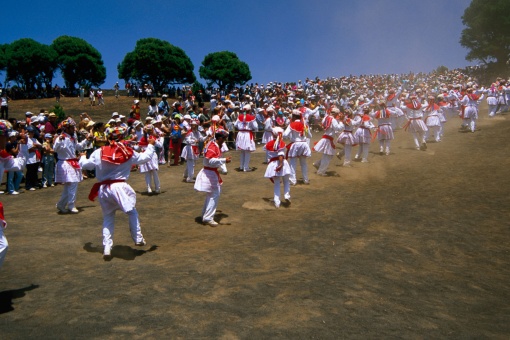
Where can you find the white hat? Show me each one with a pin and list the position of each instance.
(28, 113)
(215, 118)
(277, 130)
(115, 114)
(136, 123)
(121, 116)
(186, 116)
(136, 101)
(247, 107)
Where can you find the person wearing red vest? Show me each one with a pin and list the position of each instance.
(208, 179)
(298, 133)
(470, 115)
(326, 145)
(246, 125)
(113, 163)
(278, 169)
(68, 171)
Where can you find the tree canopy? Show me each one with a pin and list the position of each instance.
(487, 32)
(79, 62)
(224, 69)
(30, 63)
(157, 62)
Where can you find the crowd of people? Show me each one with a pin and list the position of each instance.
(348, 112)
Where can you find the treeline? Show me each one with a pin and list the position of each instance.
(32, 66)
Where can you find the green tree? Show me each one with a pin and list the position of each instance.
(157, 62)
(3, 57)
(30, 63)
(441, 69)
(79, 62)
(224, 69)
(487, 32)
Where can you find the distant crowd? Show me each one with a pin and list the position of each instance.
(348, 99)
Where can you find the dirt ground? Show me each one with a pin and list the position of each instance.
(411, 245)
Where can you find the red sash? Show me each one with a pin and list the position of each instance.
(94, 192)
(272, 160)
(288, 149)
(196, 152)
(74, 163)
(5, 154)
(215, 170)
(330, 140)
(2, 218)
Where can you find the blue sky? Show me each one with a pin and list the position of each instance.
(279, 40)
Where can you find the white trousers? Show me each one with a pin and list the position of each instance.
(435, 131)
(324, 163)
(469, 122)
(419, 138)
(68, 197)
(152, 174)
(108, 227)
(4, 245)
(363, 151)
(384, 145)
(492, 110)
(293, 168)
(211, 202)
(286, 188)
(189, 172)
(245, 160)
(348, 152)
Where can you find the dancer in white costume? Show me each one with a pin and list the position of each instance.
(68, 170)
(113, 166)
(190, 151)
(326, 145)
(278, 169)
(150, 169)
(209, 180)
(298, 149)
(246, 125)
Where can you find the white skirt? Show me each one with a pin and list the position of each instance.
(117, 196)
(347, 138)
(471, 112)
(187, 153)
(207, 181)
(244, 141)
(433, 121)
(271, 172)
(324, 146)
(299, 149)
(417, 125)
(267, 136)
(150, 165)
(385, 132)
(65, 173)
(363, 135)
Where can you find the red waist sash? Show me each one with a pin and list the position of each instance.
(215, 170)
(94, 192)
(330, 140)
(74, 163)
